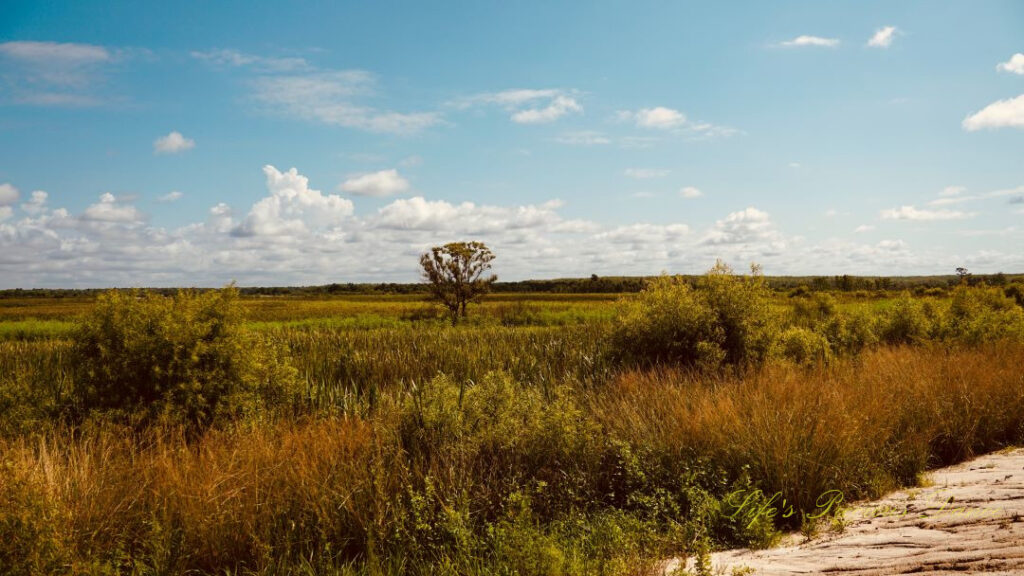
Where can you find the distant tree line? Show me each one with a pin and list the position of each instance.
(592, 285)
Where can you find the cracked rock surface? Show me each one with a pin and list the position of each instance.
(968, 519)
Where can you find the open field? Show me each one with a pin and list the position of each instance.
(546, 434)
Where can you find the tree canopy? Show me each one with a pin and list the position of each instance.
(457, 274)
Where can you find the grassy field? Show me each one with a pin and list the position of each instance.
(547, 434)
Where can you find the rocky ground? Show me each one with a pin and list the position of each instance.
(966, 519)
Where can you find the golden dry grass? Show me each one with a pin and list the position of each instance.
(339, 488)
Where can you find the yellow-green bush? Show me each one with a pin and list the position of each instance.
(724, 319)
(906, 322)
(804, 346)
(845, 331)
(184, 358)
(982, 314)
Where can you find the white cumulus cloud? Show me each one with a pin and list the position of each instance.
(36, 204)
(172, 143)
(382, 183)
(110, 209)
(295, 235)
(883, 37)
(658, 117)
(690, 192)
(1007, 113)
(8, 194)
(749, 226)
(292, 207)
(1015, 64)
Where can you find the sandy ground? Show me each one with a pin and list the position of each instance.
(981, 530)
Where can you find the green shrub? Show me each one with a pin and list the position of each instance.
(742, 307)
(850, 332)
(800, 291)
(1015, 291)
(810, 312)
(183, 358)
(668, 322)
(804, 346)
(906, 322)
(724, 319)
(981, 314)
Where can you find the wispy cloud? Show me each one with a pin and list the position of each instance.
(805, 40)
(527, 106)
(328, 97)
(172, 196)
(56, 74)
(690, 192)
(645, 173)
(294, 87)
(912, 213)
(670, 120)
(955, 195)
(236, 58)
(583, 138)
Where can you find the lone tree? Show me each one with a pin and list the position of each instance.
(963, 274)
(455, 272)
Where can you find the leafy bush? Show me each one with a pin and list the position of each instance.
(183, 358)
(810, 312)
(804, 346)
(668, 322)
(742, 307)
(906, 322)
(850, 332)
(982, 314)
(845, 331)
(1015, 291)
(724, 319)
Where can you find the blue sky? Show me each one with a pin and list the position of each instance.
(145, 144)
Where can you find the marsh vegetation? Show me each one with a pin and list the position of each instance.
(214, 432)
